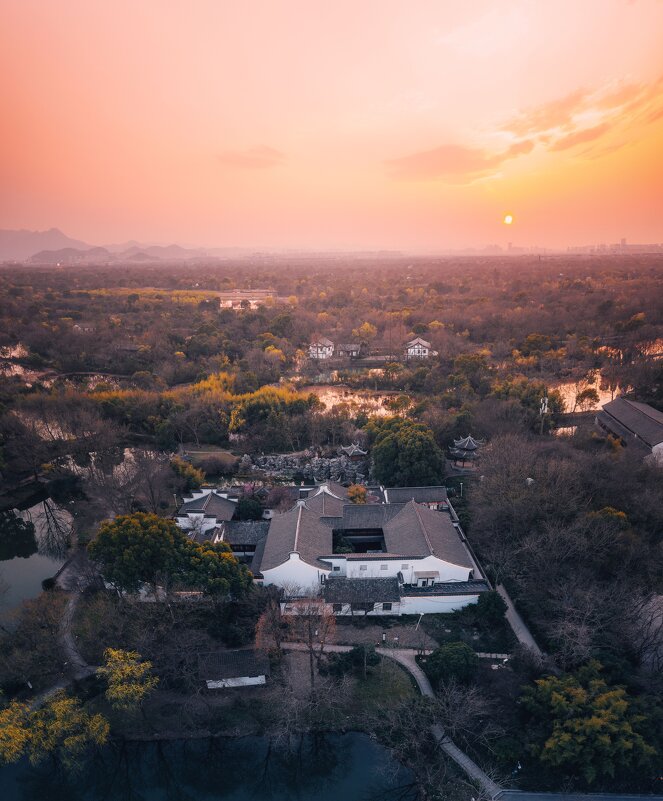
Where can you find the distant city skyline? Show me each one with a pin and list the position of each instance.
(344, 126)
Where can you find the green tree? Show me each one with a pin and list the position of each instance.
(405, 453)
(581, 726)
(139, 549)
(191, 476)
(490, 608)
(452, 661)
(129, 679)
(249, 509)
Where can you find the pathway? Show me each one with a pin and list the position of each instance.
(523, 634)
(406, 658)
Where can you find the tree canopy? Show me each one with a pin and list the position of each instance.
(405, 453)
(138, 549)
(582, 726)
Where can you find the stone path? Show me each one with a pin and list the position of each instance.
(523, 634)
(406, 658)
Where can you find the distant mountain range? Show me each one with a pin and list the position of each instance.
(54, 247)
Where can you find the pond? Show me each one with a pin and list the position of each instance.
(366, 399)
(322, 767)
(29, 555)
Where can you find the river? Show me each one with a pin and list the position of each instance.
(323, 767)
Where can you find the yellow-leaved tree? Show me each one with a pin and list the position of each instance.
(129, 679)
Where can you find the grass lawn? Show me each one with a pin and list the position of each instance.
(385, 685)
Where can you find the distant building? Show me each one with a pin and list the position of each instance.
(321, 348)
(353, 452)
(245, 298)
(637, 425)
(351, 350)
(419, 348)
(465, 451)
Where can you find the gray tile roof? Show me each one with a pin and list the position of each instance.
(363, 516)
(232, 664)
(325, 505)
(211, 505)
(418, 494)
(243, 532)
(639, 419)
(299, 530)
(419, 531)
(448, 588)
(343, 590)
(257, 558)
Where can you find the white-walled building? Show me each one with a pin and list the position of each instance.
(638, 426)
(321, 348)
(406, 557)
(419, 348)
(204, 510)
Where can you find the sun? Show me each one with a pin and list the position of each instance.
(508, 219)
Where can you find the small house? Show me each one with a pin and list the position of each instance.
(240, 668)
(350, 350)
(321, 348)
(418, 348)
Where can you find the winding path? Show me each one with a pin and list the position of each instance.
(406, 658)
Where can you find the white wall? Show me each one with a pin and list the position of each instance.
(197, 521)
(377, 610)
(295, 574)
(351, 568)
(242, 681)
(434, 604)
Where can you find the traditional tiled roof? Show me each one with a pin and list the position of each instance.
(299, 530)
(639, 419)
(368, 590)
(211, 505)
(418, 530)
(353, 450)
(468, 443)
(448, 588)
(418, 494)
(326, 343)
(257, 558)
(232, 664)
(243, 532)
(362, 516)
(325, 505)
(417, 341)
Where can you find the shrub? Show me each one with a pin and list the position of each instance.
(453, 660)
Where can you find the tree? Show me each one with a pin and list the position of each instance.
(357, 493)
(129, 679)
(17, 536)
(491, 608)
(191, 476)
(14, 731)
(271, 628)
(313, 625)
(60, 728)
(405, 453)
(134, 550)
(452, 661)
(248, 509)
(584, 727)
(365, 332)
(139, 549)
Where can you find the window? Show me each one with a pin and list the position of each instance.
(322, 578)
(386, 607)
(337, 568)
(363, 567)
(337, 608)
(404, 567)
(383, 567)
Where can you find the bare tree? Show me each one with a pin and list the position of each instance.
(313, 624)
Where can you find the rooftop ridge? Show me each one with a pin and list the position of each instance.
(423, 527)
(299, 520)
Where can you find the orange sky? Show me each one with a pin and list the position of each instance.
(353, 124)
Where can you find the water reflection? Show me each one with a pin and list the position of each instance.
(324, 767)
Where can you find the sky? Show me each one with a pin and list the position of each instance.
(354, 124)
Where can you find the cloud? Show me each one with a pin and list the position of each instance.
(261, 157)
(580, 137)
(601, 119)
(454, 163)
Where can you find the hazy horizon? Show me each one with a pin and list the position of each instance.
(347, 127)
